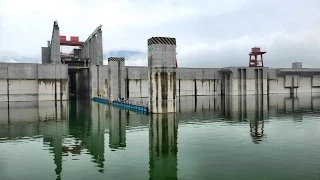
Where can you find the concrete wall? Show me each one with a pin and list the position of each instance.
(46, 82)
(136, 82)
(99, 79)
(229, 81)
(33, 82)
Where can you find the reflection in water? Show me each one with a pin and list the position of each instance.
(55, 142)
(87, 125)
(256, 130)
(79, 130)
(163, 149)
(117, 128)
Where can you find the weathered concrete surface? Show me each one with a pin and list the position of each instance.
(162, 74)
(55, 45)
(33, 82)
(45, 51)
(117, 75)
(98, 80)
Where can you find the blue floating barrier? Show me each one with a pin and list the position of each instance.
(122, 105)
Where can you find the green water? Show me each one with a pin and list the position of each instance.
(209, 138)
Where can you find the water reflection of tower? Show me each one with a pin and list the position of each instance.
(163, 149)
(55, 142)
(257, 123)
(117, 128)
(86, 123)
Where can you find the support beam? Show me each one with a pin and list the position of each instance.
(93, 33)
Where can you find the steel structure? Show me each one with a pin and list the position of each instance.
(254, 60)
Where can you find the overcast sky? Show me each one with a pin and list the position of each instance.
(209, 33)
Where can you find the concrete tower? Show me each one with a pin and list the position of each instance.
(162, 74)
(99, 48)
(116, 71)
(55, 45)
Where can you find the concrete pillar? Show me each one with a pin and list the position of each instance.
(93, 50)
(117, 128)
(99, 48)
(116, 71)
(86, 50)
(163, 148)
(55, 45)
(122, 78)
(162, 74)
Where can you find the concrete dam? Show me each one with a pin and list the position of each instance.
(81, 73)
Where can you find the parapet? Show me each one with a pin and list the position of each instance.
(115, 59)
(162, 40)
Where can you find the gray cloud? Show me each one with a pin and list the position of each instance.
(209, 33)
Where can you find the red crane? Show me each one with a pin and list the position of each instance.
(74, 41)
(254, 60)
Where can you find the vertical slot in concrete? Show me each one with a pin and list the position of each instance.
(245, 81)
(239, 83)
(256, 81)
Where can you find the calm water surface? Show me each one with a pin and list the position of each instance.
(209, 138)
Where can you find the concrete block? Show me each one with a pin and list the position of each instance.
(46, 89)
(162, 54)
(251, 73)
(29, 71)
(105, 72)
(64, 71)
(3, 90)
(272, 74)
(186, 73)
(61, 72)
(14, 72)
(46, 71)
(297, 65)
(3, 71)
(316, 81)
(291, 81)
(45, 51)
(138, 73)
(209, 73)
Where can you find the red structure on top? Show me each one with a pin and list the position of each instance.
(254, 60)
(74, 41)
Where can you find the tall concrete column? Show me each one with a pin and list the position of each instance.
(93, 50)
(55, 45)
(99, 48)
(86, 50)
(162, 74)
(116, 71)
